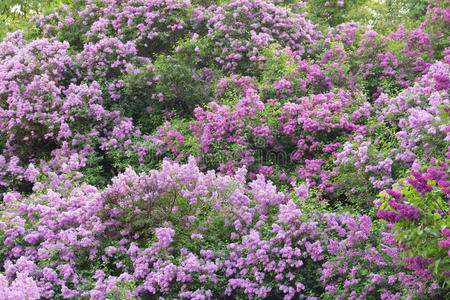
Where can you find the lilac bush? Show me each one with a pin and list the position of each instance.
(406, 131)
(147, 23)
(237, 30)
(39, 109)
(419, 207)
(364, 58)
(43, 113)
(176, 231)
(227, 137)
(246, 149)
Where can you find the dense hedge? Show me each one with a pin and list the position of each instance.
(235, 149)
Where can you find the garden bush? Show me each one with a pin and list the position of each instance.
(233, 149)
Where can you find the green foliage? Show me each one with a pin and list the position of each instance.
(383, 16)
(122, 291)
(15, 14)
(353, 181)
(184, 84)
(388, 14)
(98, 170)
(333, 12)
(15, 8)
(138, 99)
(277, 63)
(437, 26)
(171, 85)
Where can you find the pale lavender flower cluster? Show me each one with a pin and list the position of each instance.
(23, 287)
(419, 113)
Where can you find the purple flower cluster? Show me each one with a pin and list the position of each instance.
(377, 62)
(418, 126)
(305, 126)
(241, 28)
(43, 114)
(424, 201)
(62, 224)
